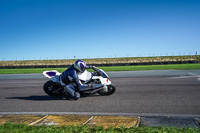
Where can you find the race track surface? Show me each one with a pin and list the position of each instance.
(141, 92)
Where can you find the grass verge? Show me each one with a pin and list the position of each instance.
(22, 128)
(110, 68)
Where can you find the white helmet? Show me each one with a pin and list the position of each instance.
(80, 65)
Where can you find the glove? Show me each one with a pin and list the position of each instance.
(94, 68)
(91, 67)
(91, 85)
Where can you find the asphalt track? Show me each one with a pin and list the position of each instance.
(146, 93)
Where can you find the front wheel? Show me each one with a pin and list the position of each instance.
(109, 91)
(52, 89)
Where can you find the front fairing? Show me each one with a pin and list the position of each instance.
(85, 76)
(103, 74)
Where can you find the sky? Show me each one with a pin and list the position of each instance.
(81, 29)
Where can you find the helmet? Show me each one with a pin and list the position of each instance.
(80, 65)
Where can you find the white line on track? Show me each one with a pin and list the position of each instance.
(99, 114)
(191, 75)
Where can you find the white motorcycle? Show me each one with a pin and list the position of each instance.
(101, 81)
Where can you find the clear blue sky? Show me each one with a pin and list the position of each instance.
(58, 29)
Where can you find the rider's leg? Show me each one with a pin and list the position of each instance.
(71, 90)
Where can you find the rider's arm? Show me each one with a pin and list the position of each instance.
(88, 67)
(91, 67)
(96, 73)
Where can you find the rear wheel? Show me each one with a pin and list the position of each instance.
(109, 91)
(52, 89)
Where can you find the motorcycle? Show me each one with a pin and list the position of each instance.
(99, 78)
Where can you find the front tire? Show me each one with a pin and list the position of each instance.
(50, 88)
(111, 90)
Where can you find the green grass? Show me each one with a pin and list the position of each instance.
(153, 67)
(21, 128)
(111, 68)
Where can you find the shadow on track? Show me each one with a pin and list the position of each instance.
(47, 98)
(36, 98)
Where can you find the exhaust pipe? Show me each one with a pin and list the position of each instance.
(97, 86)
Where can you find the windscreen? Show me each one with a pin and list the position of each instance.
(103, 74)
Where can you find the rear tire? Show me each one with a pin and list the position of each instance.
(111, 90)
(50, 88)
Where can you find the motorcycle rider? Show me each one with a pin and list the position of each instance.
(70, 80)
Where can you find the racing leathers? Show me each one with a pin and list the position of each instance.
(69, 78)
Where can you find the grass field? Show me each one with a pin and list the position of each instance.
(21, 128)
(111, 68)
